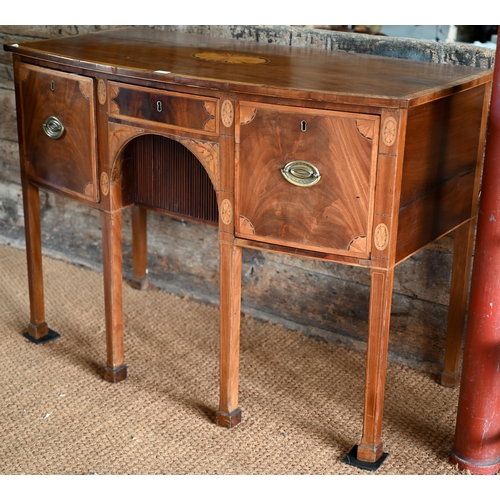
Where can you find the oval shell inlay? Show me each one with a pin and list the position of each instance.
(226, 212)
(389, 131)
(101, 91)
(381, 237)
(104, 183)
(227, 113)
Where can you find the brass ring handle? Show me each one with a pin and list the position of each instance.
(53, 127)
(301, 173)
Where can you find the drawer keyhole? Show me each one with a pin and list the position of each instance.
(52, 85)
(303, 126)
(159, 106)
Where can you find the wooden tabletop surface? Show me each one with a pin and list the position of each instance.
(239, 66)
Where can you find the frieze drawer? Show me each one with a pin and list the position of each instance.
(157, 107)
(306, 177)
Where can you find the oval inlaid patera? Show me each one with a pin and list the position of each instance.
(226, 212)
(227, 113)
(389, 132)
(104, 182)
(229, 58)
(381, 237)
(101, 91)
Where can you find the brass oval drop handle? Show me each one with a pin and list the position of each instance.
(53, 127)
(301, 173)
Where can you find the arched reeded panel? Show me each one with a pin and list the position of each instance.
(167, 177)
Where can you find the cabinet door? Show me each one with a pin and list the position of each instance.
(305, 178)
(58, 127)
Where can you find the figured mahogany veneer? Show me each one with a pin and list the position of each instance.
(334, 214)
(177, 110)
(69, 163)
(228, 132)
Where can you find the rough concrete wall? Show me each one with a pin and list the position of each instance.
(321, 299)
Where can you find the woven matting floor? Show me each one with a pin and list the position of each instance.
(302, 399)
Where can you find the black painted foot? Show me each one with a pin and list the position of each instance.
(116, 375)
(52, 335)
(351, 459)
(450, 379)
(138, 283)
(229, 420)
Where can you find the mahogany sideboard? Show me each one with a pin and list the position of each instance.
(355, 159)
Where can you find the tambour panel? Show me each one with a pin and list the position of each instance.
(166, 176)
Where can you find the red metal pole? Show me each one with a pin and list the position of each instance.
(477, 434)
